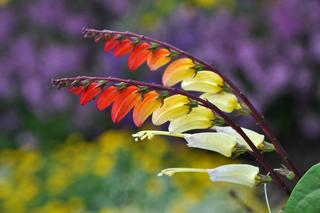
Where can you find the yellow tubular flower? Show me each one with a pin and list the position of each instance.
(256, 138)
(213, 141)
(177, 71)
(226, 102)
(243, 174)
(199, 118)
(172, 107)
(204, 81)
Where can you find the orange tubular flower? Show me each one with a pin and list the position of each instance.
(90, 93)
(158, 58)
(111, 43)
(124, 102)
(125, 47)
(107, 97)
(139, 55)
(146, 107)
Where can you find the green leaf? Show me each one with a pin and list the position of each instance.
(306, 194)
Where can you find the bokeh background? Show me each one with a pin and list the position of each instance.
(56, 156)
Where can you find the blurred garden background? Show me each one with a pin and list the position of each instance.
(56, 156)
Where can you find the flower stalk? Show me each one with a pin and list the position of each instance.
(92, 33)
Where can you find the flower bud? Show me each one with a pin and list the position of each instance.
(226, 102)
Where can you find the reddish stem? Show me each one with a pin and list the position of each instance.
(255, 114)
(255, 153)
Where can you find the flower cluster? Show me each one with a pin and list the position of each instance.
(184, 110)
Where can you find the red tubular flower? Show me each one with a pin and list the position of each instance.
(107, 97)
(125, 47)
(124, 102)
(90, 93)
(111, 43)
(146, 107)
(158, 58)
(77, 90)
(139, 55)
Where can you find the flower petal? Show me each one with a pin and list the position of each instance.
(243, 174)
(226, 102)
(203, 81)
(256, 138)
(172, 107)
(139, 55)
(124, 103)
(107, 97)
(146, 107)
(111, 43)
(177, 71)
(158, 58)
(124, 48)
(199, 118)
(90, 93)
(213, 141)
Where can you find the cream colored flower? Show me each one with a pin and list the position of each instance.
(243, 174)
(256, 138)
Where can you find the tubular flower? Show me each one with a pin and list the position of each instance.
(107, 97)
(212, 141)
(158, 58)
(111, 43)
(90, 93)
(177, 71)
(199, 118)
(257, 139)
(203, 81)
(145, 107)
(139, 55)
(125, 47)
(77, 90)
(124, 102)
(226, 102)
(217, 142)
(243, 174)
(172, 107)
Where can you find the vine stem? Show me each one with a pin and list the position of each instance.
(253, 111)
(255, 152)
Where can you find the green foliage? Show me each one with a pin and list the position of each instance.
(306, 195)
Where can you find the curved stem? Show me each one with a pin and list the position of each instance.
(255, 114)
(255, 153)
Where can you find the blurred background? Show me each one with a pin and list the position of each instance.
(56, 156)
